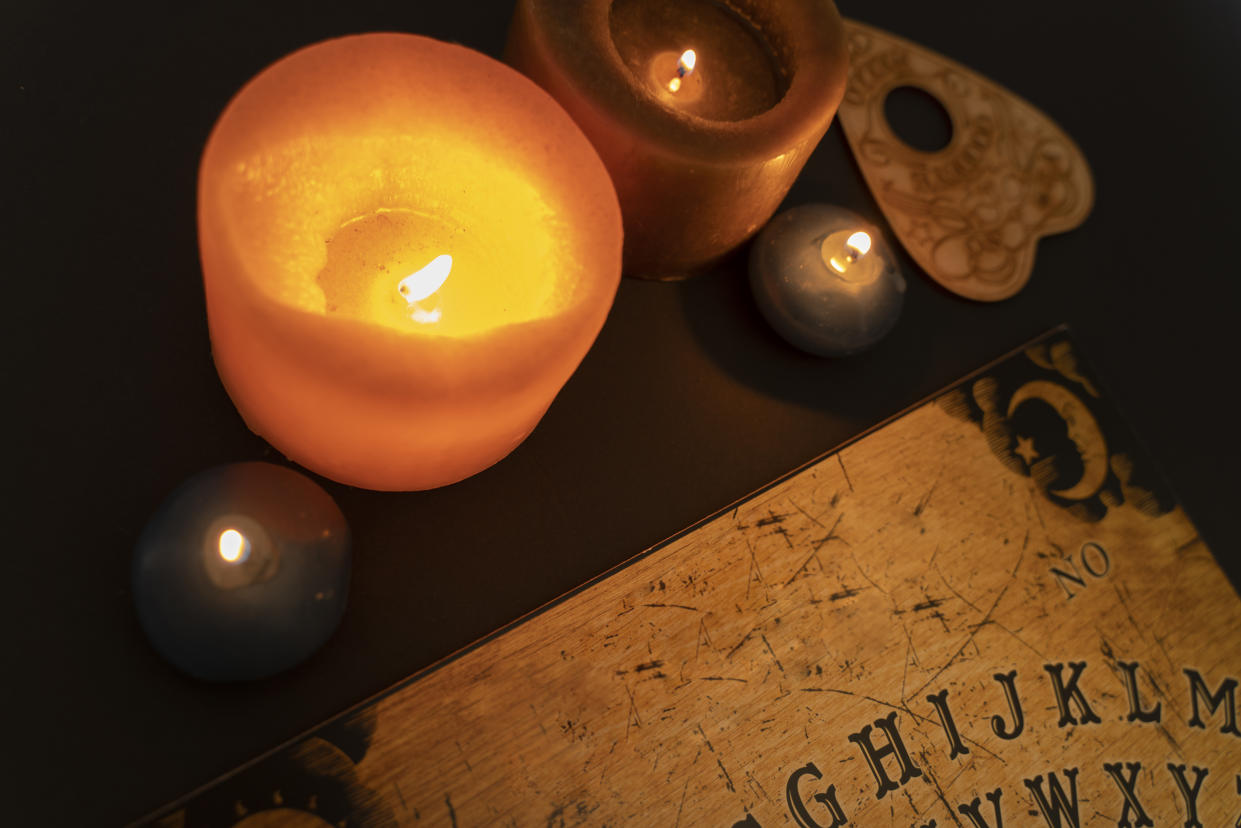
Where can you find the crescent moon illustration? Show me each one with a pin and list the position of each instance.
(1083, 431)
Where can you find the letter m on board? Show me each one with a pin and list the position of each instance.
(1225, 695)
(1060, 811)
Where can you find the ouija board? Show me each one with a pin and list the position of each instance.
(987, 612)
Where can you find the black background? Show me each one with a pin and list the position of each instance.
(686, 403)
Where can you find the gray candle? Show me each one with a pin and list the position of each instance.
(242, 572)
(826, 280)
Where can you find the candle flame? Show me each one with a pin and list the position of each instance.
(841, 259)
(859, 243)
(685, 66)
(233, 545)
(422, 283)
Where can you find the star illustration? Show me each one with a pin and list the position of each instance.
(1025, 447)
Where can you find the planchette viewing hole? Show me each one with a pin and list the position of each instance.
(918, 118)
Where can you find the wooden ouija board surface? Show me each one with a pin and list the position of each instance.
(987, 612)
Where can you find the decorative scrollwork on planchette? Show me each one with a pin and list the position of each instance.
(970, 214)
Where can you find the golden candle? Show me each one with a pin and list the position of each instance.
(407, 248)
(704, 111)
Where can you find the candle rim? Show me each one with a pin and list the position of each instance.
(819, 57)
(602, 230)
(502, 360)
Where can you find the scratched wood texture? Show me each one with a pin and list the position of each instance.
(690, 686)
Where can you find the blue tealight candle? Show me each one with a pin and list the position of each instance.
(826, 280)
(242, 572)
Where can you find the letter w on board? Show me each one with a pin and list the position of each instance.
(1061, 809)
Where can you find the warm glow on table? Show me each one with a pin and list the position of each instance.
(407, 249)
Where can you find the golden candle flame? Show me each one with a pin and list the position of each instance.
(685, 66)
(233, 545)
(422, 283)
(859, 244)
(841, 253)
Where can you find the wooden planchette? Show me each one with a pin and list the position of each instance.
(972, 213)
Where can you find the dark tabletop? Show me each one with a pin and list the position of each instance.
(686, 402)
